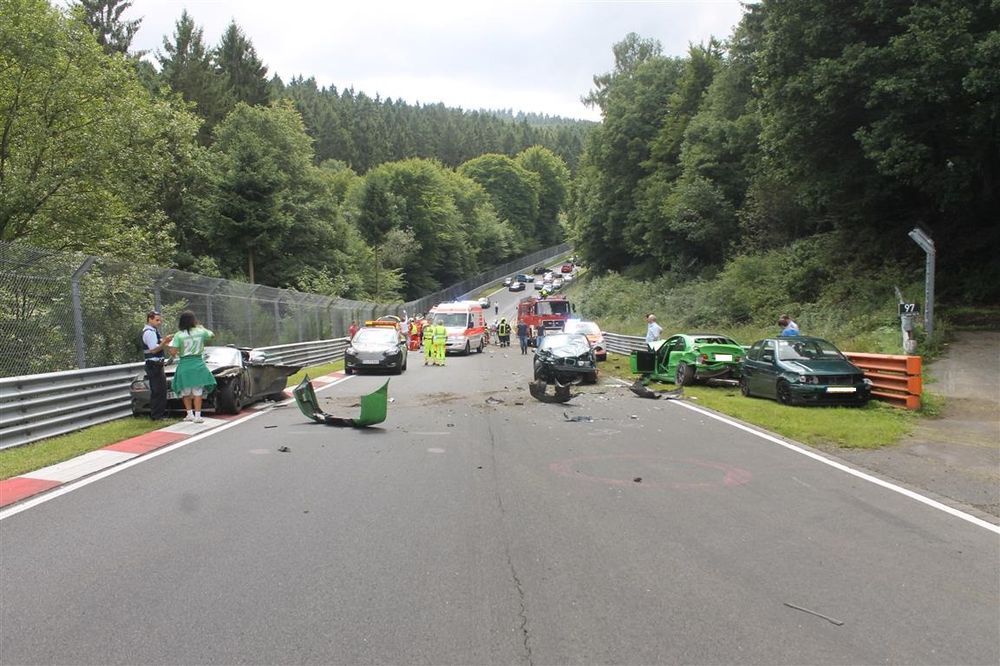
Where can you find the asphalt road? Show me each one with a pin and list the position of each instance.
(470, 531)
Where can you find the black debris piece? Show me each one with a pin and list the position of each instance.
(638, 479)
(578, 419)
(271, 426)
(538, 390)
(284, 449)
(643, 392)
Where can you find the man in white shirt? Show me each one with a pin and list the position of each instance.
(653, 330)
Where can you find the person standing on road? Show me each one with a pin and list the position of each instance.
(153, 347)
(788, 327)
(192, 379)
(428, 336)
(653, 330)
(440, 340)
(503, 332)
(522, 336)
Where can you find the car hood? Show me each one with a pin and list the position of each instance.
(821, 367)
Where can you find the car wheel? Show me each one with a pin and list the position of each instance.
(784, 392)
(229, 400)
(468, 348)
(482, 344)
(684, 375)
(348, 371)
(405, 361)
(744, 387)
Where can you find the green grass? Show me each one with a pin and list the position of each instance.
(873, 426)
(21, 459)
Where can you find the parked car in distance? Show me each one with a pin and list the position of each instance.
(523, 277)
(484, 302)
(375, 348)
(566, 358)
(539, 283)
(507, 280)
(685, 358)
(803, 370)
(593, 333)
(516, 285)
(566, 268)
(539, 270)
(243, 376)
(557, 282)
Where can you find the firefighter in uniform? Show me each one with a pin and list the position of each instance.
(503, 332)
(428, 332)
(440, 340)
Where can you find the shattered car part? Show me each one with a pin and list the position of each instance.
(373, 406)
(538, 392)
(643, 392)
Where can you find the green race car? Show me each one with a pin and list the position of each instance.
(689, 357)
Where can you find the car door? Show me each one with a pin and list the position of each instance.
(673, 350)
(765, 378)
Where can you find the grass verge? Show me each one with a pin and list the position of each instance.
(22, 459)
(873, 426)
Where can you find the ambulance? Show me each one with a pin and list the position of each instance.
(465, 325)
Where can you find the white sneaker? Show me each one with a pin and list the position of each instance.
(198, 419)
(189, 417)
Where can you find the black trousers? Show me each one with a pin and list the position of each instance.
(157, 389)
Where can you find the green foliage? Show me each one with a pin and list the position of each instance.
(513, 189)
(104, 18)
(553, 183)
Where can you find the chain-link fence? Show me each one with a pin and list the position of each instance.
(64, 311)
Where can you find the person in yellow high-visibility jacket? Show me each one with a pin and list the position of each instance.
(440, 340)
(428, 343)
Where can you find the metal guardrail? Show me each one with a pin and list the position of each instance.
(34, 407)
(623, 344)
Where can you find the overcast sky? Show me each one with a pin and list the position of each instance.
(535, 56)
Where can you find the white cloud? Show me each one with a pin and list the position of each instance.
(531, 56)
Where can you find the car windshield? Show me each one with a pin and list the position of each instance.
(584, 327)
(812, 348)
(222, 356)
(568, 343)
(376, 336)
(715, 340)
(552, 307)
(452, 319)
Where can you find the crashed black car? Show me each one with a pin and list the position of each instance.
(243, 376)
(566, 358)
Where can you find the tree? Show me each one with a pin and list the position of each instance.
(186, 66)
(513, 189)
(104, 17)
(244, 75)
(629, 54)
(84, 149)
(553, 182)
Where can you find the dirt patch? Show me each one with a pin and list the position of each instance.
(956, 456)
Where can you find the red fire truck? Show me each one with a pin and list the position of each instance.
(548, 313)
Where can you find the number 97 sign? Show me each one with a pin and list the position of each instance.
(909, 309)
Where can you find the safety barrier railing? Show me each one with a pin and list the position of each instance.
(895, 379)
(34, 407)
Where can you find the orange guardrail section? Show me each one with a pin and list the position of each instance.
(895, 379)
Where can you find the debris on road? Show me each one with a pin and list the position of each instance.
(642, 391)
(539, 387)
(373, 406)
(494, 401)
(812, 612)
(270, 426)
(284, 449)
(578, 419)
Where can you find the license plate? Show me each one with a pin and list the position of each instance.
(723, 357)
(370, 361)
(840, 389)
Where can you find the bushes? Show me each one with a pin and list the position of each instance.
(829, 295)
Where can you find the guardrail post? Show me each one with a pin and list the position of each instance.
(81, 356)
(927, 244)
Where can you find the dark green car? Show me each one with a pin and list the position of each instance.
(689, 357)
(803, 370)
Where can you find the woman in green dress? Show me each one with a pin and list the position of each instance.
(192, 379)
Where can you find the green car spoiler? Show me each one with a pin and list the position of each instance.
(373, 406)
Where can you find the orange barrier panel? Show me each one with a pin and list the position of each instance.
(895, 379)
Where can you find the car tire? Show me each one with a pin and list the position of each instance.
(468, 349)
(348, 371)
(784, 392)
(482, 343)
(406, 360)
(684, 375)
(744, 387)
(229, 400)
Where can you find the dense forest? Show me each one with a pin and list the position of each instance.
(814, 137)
(204, 162)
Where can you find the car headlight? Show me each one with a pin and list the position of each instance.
(351, 350)
(808, 379)
(867, 382)
(391, 352)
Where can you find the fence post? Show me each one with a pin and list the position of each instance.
(81, 356)
(209, 314)
(927, 244)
